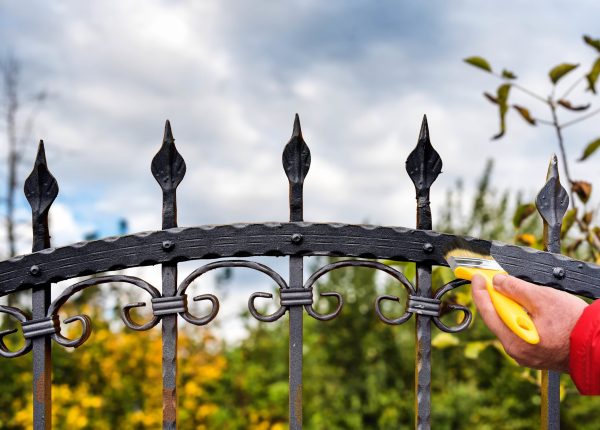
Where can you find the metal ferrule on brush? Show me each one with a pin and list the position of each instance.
(477, 263)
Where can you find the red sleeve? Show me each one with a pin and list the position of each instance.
(584, 359)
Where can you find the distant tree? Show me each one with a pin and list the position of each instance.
(18, 135)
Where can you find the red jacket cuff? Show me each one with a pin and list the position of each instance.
(584, 358)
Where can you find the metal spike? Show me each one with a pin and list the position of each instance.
(41, 154)
(552, 168)
(553, 200)
(296, 155)
(424, 163)
(424, 133)
(297, 129)
(168, 135)
(40, 187)
(168, 166)
(423, 166)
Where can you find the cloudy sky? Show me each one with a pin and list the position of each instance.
(230, 75)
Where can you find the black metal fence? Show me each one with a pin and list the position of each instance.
(295, 239)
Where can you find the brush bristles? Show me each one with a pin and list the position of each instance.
(465, 258)
(465, 253)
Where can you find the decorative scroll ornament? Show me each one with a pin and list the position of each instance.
(40, 187)
(50, 325)
(22, 317)
(168, 166)
(422, 305)
(209, 297)
(297, 297)
(424, 164)
(468, 316)
(84, 320)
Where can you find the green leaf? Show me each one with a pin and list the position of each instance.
(561, 70)
(592, 77)
(524, 112)
(594, 43)
(523, 211)
(590, 149)
(567, 105)
(479, 62)
(502, 97)
(507, 74)
(567, 222)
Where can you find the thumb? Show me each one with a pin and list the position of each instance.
(522, 292)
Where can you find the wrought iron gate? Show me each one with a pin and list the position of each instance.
(296, 239)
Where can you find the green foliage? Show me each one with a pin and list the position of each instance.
(479, 62)
(580, 191)
(502, 98)
(507, 74)
(558, 72)
(590, 149)
(594, 43)
(592, 76)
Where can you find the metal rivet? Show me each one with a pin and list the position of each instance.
(167, 245)
(34, 270)
(558, 272)
(297, 238)
(428, 248)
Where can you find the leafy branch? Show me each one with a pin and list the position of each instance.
(556, 105)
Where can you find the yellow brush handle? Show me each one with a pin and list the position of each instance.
(511, 312)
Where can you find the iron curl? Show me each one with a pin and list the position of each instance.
(22, 317)
(467, 315)
(85, 321)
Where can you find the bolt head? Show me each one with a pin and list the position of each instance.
(168, 245)
(297, 238)
(558, 273)
(35, 270)
(428, 248)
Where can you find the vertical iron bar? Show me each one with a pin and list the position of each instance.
(296, 162)
(168, 167)
(552, 203)
(296, 342)
(423, 166)
(40, 190)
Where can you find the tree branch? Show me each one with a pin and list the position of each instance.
(581, 118)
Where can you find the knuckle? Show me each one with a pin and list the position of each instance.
(510, 350)
(515, 352)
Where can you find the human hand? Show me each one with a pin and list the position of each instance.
(553, 312)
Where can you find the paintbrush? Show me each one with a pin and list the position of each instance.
(465, 263)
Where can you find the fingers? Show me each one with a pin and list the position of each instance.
(522, 292)
(488, 313)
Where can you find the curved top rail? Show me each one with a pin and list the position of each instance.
(281, 239)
